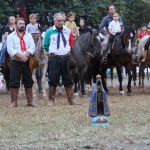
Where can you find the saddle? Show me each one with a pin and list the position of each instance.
(33, 62)
(115, 39)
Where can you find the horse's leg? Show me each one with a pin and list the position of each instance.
(139, 75)
(103, 74)
(128, 69)
(120, 80)
(21, 91)
(59, 88)
(44, 70)
(142, 66)
(75, 89)
(134, 74)
(112, 77)
(34, 86)
(82, 84)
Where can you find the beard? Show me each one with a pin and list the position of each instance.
(22, 29)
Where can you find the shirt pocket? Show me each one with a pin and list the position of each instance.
(53, 38)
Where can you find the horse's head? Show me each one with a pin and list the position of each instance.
(129, 38)
(38, 45)
(93, 43)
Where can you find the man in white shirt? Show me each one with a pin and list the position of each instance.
(20, 46)
(58, 42)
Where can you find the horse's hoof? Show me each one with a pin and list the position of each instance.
(107, 92)
(21, 95)
(35, 98)
(45, 98)
(129, 93)
(76, 95)
(143, 90)
(122, 93)
(40, 91)
(59, 94)
(84, 96)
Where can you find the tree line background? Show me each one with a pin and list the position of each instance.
(132, 11)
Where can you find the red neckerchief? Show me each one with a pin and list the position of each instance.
(22, 42)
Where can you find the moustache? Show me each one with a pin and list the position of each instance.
(22, 29)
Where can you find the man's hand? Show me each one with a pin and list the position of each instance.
(23, 58)
(114, 33)
(28, 54)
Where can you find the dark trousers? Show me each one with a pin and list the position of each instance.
(147, 44)
(57, 67)
(112, 37)
(20, 69)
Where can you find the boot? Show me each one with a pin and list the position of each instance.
(14, 94)
(70, 96)
(29, 95)
(52, 92)
(108, 51)
(144, 56)
(39, 83)
(109, 47)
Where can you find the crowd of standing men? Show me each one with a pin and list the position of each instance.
(58, 42)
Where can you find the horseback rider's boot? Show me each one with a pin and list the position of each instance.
(29, 95)
(104, 59)
(39, 83)
(144, 56)
(52, 92)
(14, 94)
(70, 96)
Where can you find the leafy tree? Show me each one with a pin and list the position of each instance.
(132, 11)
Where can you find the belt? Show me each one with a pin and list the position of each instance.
(17, 59)
(60, 56)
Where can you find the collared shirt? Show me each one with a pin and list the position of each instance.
(105, 23)
(142, 34)
(13, 44)
(50, 41)
(115, 26)
(30, 28)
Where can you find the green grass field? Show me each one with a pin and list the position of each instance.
(65, 127)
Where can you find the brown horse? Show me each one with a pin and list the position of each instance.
(39, 52)
(142, 64)
(121, 55)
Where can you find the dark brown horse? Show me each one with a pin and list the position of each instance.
(86, 52)
(121, 55)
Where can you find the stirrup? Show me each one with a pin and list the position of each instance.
(2, 64)
(104, 60)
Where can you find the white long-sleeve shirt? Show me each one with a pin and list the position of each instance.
(13, 44)
(114, 26)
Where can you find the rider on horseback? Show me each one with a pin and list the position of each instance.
(105, 23)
